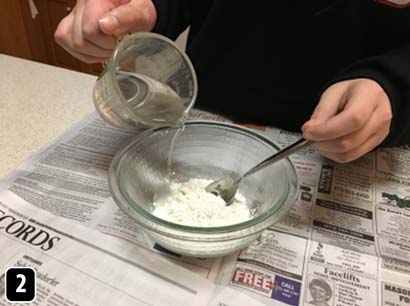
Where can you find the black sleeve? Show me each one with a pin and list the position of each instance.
(173, 17)
(392, 71)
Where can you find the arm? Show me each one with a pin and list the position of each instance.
(366, 105)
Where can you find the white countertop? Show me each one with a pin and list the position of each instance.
(37, 103)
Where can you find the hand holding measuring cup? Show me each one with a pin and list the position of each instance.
(89, 32)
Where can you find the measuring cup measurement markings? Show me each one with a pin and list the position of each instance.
(150, 99)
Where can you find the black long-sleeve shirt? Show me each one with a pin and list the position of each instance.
(269, 61)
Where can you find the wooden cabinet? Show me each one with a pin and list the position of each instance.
(27, 28)
(50, 13)
(13, 37)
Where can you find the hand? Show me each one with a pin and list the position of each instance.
(90, 31)
(351, 119)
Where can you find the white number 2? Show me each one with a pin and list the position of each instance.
(20, 288)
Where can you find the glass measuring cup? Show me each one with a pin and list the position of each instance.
(148, 82)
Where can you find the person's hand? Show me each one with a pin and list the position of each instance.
(89, 32)
(351, 119)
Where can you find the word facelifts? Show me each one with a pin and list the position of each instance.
(26, 232)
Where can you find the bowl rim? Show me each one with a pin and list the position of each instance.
(175, 230)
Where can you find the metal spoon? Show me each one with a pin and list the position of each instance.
(227, 187)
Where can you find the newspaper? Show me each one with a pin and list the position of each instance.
(346, 240)
(78, 266)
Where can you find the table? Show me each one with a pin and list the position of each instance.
(37, 103)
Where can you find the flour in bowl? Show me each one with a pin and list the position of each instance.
(190, 204)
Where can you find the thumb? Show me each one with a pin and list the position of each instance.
(137, 15)
(328, 106)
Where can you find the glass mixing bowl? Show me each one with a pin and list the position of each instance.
(203, 149)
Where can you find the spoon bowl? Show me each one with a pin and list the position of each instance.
(227, 187)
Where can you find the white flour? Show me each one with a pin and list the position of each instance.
(190, 204)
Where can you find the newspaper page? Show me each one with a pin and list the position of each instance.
(340, 276)
(349, 227)
(353, 217)
(74, 266)
(394, 287)
(68, 178)
(270, 269)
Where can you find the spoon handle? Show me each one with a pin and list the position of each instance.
(300, 144)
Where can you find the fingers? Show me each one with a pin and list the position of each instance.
(75, 30)
(90, 27)
(137, 15)
(372, 142)
(64, 38)
(351, 127)
(79, 42)
(85, 58)
(90, 31)
(356, 110)
(351, 141)
(328, 105)
(349, 120)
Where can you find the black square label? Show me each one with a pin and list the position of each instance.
(20, 284)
